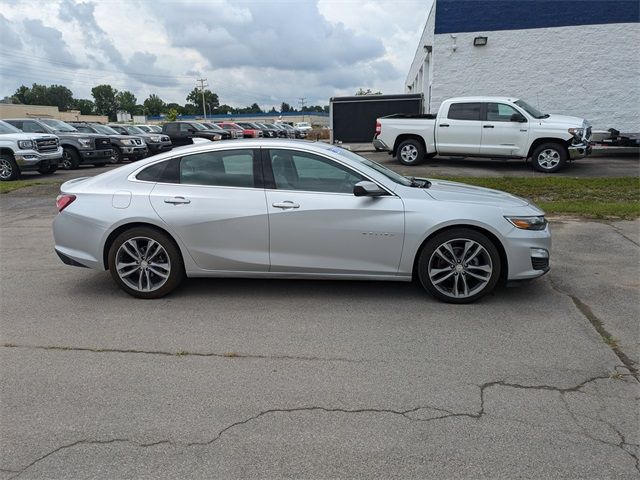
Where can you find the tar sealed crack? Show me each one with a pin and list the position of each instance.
(412, 415)
(178, 353)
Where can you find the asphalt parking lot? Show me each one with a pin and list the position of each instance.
(272, 379)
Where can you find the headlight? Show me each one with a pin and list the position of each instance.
(84, 142)
(576, 132)
(528, 223)
(25, 144)
(128, 141)
(155, 138)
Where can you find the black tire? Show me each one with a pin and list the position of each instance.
(549, 157)
(117, 156)
(70, 158)
(9, 169)
(410, 152)
(48, 170)
(173, 260)
(438, 275)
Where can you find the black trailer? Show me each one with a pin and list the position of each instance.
(353, 119)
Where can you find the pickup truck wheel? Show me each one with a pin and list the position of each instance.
(549, 158)
(410, 152)
(9, 169)
(48, 170)
(70, 159)
(459, 266)
(117, 156)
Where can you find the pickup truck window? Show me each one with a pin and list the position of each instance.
(499, 112)
(464, 111)
(185, 127)
(7, 128)
(32, 127)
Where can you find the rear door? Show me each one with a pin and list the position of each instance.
(316, 223)
(460, 132)
(216, 204)
(500, 135)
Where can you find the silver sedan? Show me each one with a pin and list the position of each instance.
(294, 209)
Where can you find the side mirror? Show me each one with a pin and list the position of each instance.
(367, 189)
(518, 117)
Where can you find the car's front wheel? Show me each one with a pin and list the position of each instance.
(9, 169)
(549, 157)
(459, 265)
(145, 262)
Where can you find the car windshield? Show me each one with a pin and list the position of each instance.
(106, 130)
(58, 126)
(198, 126)
(534, 112)
(213, 126)
(8, 128)
(144, 128)
(303, 124)
(133, 130)
(390, 174)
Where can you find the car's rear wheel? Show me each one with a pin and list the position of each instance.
(9, 169)
(459, 266)
(145, 262)
(410, 152)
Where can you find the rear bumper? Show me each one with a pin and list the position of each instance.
(380, 145)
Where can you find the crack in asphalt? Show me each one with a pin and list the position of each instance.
(598, 325)
(620, 232)
(443, 413)
(179, 353)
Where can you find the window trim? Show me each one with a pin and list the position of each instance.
(269, 179)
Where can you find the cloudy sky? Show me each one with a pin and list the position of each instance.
(264, 51)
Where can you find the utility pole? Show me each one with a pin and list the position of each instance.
(203, 83)
(301, 102)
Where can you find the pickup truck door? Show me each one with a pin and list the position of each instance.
(500, 135)
(459, 129)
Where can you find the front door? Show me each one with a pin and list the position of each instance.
(317, 225)
(217, 207)
(500, 135)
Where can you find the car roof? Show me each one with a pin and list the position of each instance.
(482, 99)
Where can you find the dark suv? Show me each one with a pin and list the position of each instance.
(181, 133)
(77, 147)
(124, 146)
(156, 142)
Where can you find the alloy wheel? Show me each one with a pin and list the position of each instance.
(548, 158)
(66, 160)
(6, 169)
(460, 268)
(409, 153)
(143, 264)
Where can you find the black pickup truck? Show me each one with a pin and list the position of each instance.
(77, 148)
(124, 146)
(181, 133)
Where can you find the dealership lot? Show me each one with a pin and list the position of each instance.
(268, 379)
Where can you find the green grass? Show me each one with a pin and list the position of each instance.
(587, 197)
(6, 187)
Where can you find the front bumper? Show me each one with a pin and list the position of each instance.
(91, 155)
(134, 152)
(528, 253)
(33, 160)
(159, 147)
(379, 144)
(579, 151)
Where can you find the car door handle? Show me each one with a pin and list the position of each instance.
(444, 124)
(487, 126)
(286, 205)
(177, 200)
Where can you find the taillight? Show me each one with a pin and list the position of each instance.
(378, 128)
(63, 201)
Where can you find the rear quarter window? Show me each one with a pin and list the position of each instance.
(162, 172)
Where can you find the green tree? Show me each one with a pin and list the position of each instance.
(153, 105)
(172, 114)
(60, 96)
(105, 100)
(174, 106)
(285, 107)
(191, 109)
(21, 95)
(210, 99)
(126, 101)
(86, 107)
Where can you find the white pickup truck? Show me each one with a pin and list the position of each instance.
(494, 127)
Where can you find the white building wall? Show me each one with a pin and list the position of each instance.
(420, 74)
(590, 71)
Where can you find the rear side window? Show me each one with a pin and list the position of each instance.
(464, 111)
(171, 127)
(163, 172)
(228, 168)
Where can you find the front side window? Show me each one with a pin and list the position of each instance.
(499, 112)
(185, 127)
(294, 170)
(32, 127)
(227, 168)
(58, 125)
(464, 111)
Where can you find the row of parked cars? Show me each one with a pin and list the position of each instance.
(45, 144)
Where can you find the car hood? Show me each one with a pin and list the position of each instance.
(27, 136)
(463, 193)
(554, 119)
